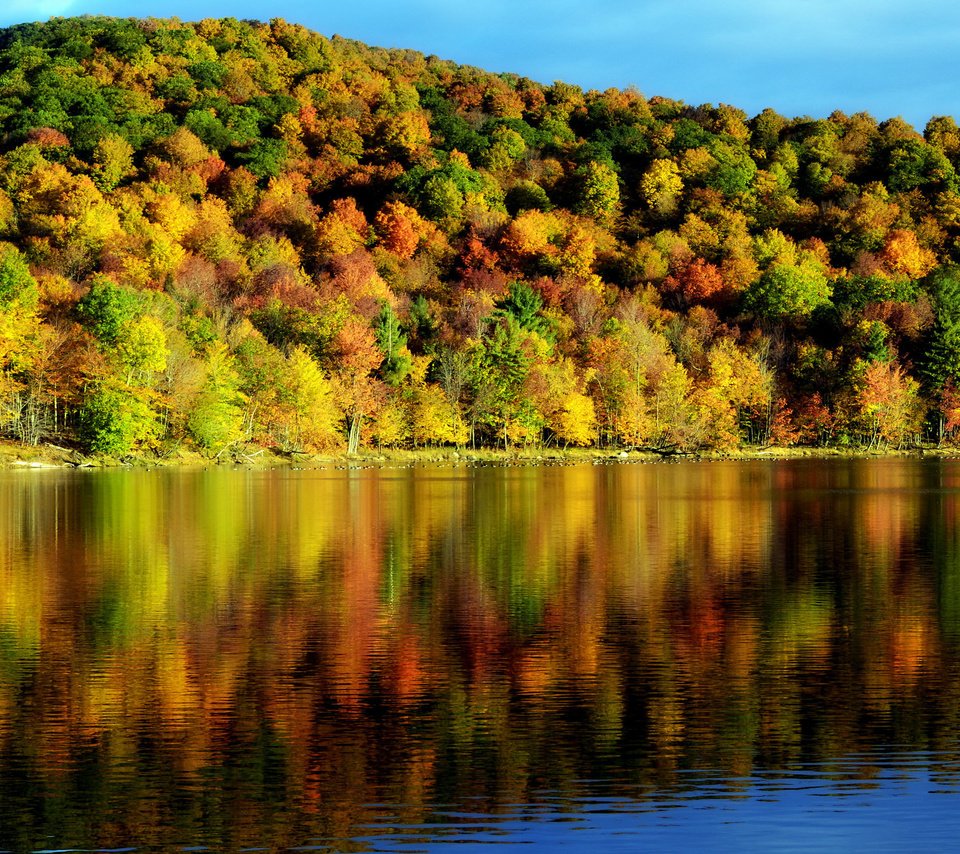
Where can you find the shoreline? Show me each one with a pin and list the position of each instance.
(17, 456)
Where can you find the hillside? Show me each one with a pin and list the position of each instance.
(230, 232)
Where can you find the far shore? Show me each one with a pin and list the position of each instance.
(45, 456)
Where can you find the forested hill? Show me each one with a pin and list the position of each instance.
(229, 232)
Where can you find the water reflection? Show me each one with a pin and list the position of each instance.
(239, 658)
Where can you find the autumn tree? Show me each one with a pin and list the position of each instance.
(216, 420)
(19, 331)
(598, 191)
(357, 356)
(307, 415)
(889, 404)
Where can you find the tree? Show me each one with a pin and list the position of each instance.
(143, 349)
(21, 333)
(435, 418)
(308, 415)
(343, 230)
(677, 420)
(393, 343)
(598, 191)
(661, 187)
(500, 367)
(112, 162)
(118, 421)
(399, 227)
(356, 357)
(734, 169)
(942, 362)
(577, 420)
(889, 404)
(789, 290)
(216, 420)
(524, 304)
(18, 288)
(108, 309)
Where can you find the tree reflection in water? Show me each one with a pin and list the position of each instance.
(241, 658)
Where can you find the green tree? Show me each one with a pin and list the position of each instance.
(525, 305)
(393, 343)
(940, 367)
(789, 290)
(108, 309)
(734, 170)
(143, 349)
(598, 191)
(18, 288)
(500, 368)
(942, 362)
(216, 421)
(117, 422)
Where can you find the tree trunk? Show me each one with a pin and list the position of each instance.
(353, 441)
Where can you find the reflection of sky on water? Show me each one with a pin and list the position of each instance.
(909, 803)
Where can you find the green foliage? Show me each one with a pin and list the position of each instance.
(207, 74)
(393, 343)
(941, 363)
(734, 171)
(524, 305)
(200, 331)
(18, 288)
(209, 128)
(499, 370)
(854, 292)
(440, 193)
(688, 134)
(143, 348)
(913, 163)
(286, 325)
(108, 309)
(789, 290)
(265, 157)
(526, 196)
(216, 421)
(450, 130)
(423, 325)
(598, 191)
(117, 422)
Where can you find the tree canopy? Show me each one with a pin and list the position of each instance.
(213, 232)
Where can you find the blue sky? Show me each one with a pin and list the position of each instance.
(801, 57)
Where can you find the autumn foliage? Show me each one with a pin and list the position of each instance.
(191, 215)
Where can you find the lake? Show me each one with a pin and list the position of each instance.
(728, 656)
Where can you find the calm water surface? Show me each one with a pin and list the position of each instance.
(721, 656)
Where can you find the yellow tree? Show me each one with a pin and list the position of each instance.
(661, 187)
(343, 230)
(216, 421)
(677, 419)
(142, 350)
(434, 416)
(308, 416)
(576, 421)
